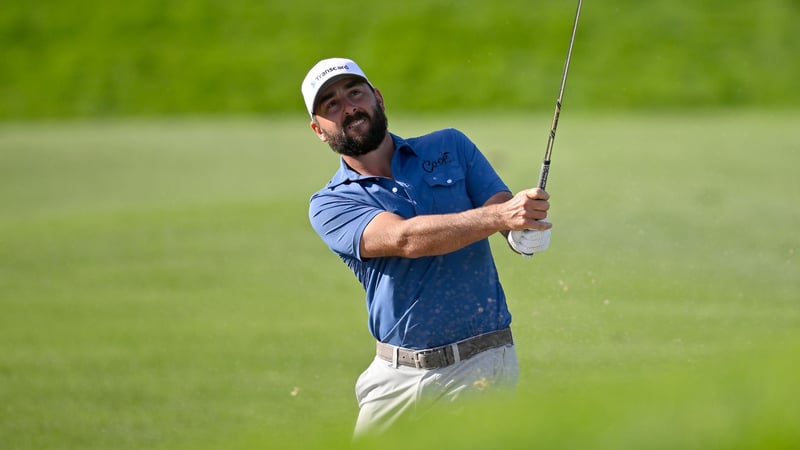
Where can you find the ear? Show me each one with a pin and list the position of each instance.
(318, 130)
(379, 98)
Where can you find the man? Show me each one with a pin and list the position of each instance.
(411, 218)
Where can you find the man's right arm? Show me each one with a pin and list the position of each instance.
(388, 234)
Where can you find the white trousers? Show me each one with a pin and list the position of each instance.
(385, 392)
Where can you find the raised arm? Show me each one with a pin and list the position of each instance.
(428, 235)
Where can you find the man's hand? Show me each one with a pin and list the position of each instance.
(529, 229)
(529, 242)
(526, 211)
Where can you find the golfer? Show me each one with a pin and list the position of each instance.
(411, 218)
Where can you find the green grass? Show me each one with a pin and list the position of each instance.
(160, 286)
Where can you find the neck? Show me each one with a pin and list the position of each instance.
(377, 162)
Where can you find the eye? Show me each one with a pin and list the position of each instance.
(330, 106)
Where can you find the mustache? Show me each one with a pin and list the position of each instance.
(357, 116)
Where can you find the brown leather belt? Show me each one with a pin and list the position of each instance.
(436, 358)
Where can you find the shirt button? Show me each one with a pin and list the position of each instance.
(449, 181)
(394, 189)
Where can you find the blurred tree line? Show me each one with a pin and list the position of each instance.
(146, 57)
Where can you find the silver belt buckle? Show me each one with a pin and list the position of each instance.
(456, 353)
(417, 362)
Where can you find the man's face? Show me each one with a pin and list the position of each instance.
(349, 117)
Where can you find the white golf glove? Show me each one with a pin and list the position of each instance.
(528, 242)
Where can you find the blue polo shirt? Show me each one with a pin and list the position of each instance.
(423, 302)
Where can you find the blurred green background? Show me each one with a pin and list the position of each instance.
(161, 288)
(93, 58)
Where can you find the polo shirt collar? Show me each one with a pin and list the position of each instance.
(346, 175)
(401, 144)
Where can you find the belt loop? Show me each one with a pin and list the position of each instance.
(456, 354)
(395, 356)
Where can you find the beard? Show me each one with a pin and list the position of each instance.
(344, 144)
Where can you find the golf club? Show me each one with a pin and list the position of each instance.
(552, 138)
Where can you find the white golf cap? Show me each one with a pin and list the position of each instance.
(325, 72)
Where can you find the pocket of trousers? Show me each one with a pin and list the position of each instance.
(366, 382)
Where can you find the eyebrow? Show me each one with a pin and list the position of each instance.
(353, 82)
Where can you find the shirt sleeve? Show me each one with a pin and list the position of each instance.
(340, 221)
(483, 182)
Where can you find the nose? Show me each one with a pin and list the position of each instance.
(351, 107)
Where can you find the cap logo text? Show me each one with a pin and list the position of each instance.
(331, 69)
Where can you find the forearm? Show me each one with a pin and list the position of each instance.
(429, 235)
(391, 235)
(441, 234)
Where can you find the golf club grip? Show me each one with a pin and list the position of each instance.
(543, 175)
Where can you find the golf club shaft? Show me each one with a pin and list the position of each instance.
(546, 164)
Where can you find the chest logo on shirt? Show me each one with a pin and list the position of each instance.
(429, 166)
